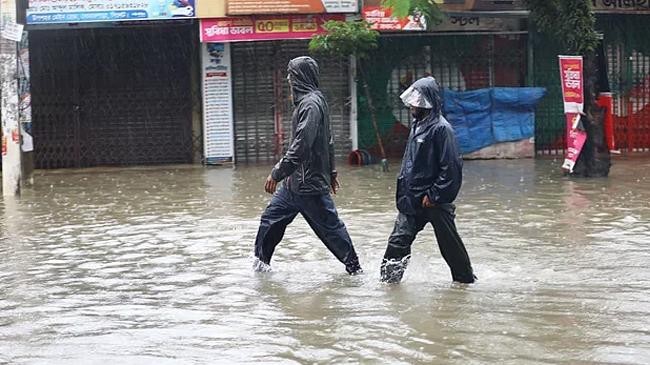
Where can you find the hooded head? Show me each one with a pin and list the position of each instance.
(303, 76)
(423, 97)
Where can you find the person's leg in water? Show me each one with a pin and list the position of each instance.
(275, 219)
(321, 215)
(451, 245)
(398, 252)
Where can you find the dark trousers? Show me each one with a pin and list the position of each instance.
(320, 214)
(451, 245)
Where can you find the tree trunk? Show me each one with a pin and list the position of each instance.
(594, 160)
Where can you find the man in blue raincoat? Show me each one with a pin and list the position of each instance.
(428, 183)
(308, 172)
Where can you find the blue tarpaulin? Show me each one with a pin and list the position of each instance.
(487, 116)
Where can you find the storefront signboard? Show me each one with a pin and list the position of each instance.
(83, 11)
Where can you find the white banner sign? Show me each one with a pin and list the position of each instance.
(217, 104)
(79, 11)
(12, 31)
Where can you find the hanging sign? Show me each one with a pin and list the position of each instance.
(571, 73)
(12, 31)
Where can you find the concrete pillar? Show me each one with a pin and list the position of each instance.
(11, 154)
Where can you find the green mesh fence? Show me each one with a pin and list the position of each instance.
(379, 69)
(549, 117)
(459, 62)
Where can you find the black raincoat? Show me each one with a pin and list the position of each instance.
(308, 164)
(432, 164)
(307, 168)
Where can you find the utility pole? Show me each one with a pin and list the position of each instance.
(11, 152)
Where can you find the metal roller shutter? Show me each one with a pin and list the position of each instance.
(113, 96)
(253, 101)
(261, 98)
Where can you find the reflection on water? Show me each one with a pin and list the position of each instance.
(153, 265)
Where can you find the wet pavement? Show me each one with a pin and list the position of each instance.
(153, 266)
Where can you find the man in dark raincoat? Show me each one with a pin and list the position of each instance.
(309, 175)
(428, 183)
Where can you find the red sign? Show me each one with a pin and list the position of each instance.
(241, 29)
(571, 73)
(381, 19)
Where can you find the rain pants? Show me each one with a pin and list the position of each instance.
(431, 167)
(306, 169)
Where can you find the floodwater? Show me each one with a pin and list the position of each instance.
(153, 266)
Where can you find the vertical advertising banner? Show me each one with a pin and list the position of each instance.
(571, 73)
(218, 144)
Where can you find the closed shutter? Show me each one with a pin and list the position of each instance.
(335, 83)
(261, 90)
(253, 101)
(113, 96)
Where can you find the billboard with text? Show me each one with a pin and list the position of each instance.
(260, 7)
(84, 11)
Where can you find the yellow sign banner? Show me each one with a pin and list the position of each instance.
(304, 26)
(272, 26)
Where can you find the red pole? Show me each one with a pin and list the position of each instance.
(605, 101)
(628, 130)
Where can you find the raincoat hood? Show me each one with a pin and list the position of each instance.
(426, 88)
(308, 164)
(304, 75)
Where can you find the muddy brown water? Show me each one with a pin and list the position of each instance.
(153, 266)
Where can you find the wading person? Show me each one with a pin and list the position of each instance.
(308, 174)
(428, 183)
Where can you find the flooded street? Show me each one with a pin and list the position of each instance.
(153, 266)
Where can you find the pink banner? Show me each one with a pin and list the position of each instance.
(242, 29)
(575, 141)
(571, 73)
